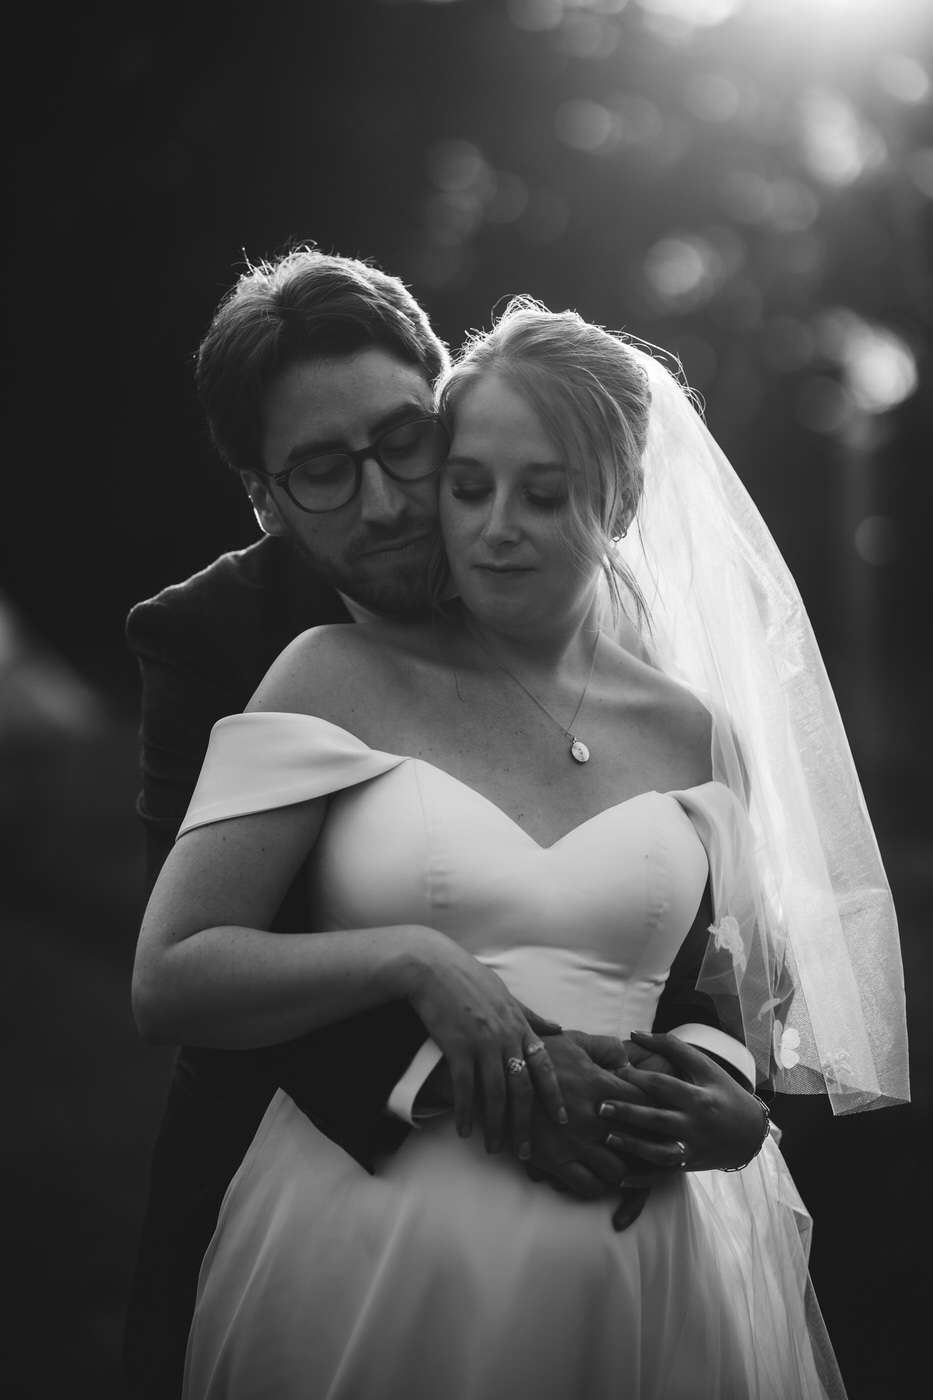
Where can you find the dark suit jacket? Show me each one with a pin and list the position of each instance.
(203, 647)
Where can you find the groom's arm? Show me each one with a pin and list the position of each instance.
(691, 1015)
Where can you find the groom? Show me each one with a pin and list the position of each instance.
(204, 645)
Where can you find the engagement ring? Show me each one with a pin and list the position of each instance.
(515, 1066)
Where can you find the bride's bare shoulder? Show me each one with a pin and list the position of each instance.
(688, 726)
(669, 709)
(335, 671)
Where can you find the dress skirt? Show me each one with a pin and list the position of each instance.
(449, 1275)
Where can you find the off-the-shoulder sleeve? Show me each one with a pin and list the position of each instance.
(722, 825)
(255, 762)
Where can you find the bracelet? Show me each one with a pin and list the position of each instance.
(767, 1117)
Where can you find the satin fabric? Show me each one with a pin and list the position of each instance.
(449, 1273)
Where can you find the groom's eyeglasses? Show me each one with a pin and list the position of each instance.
(409, 452)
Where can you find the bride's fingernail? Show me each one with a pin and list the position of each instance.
(605, 1110)
(524, 1151)
(562, 1116)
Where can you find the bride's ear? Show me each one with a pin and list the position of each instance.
(621, 521)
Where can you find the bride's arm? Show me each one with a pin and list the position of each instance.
(209, 972)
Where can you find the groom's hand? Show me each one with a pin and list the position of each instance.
(574, 1157)
(694, 1116)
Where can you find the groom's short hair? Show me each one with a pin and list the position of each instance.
(304, 305)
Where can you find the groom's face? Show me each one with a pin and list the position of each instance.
(376, 548)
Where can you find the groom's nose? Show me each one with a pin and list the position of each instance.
(381, 498)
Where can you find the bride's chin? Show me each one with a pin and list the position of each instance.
(532, 612)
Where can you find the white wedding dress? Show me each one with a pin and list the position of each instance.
(449, 1275)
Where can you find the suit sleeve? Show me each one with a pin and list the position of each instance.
(186, 686)
(691, 1015)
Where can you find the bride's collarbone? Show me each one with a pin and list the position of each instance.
(519, 760)
(482, 730)
(446, 725)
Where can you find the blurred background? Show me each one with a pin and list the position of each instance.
(748, 183)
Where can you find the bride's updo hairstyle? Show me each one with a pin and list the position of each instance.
(593, 400)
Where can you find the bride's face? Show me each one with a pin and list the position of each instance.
(504, 494)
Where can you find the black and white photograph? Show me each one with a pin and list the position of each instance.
(465, 694)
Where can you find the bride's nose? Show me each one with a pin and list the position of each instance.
(501, 526)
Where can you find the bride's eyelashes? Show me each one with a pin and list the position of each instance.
(479, 491)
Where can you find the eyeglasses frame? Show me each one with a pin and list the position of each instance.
(357, 458)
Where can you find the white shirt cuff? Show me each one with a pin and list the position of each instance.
(718, 1043)
(401, 1102)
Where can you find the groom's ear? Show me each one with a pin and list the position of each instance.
(265, 507)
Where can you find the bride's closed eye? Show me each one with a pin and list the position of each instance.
(476, 491)
(468, 490)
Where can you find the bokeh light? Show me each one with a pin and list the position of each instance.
(904, 77)
(586, 126)
(878, 540)
(878, 367)
(839, 145)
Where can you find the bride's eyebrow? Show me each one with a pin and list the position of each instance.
(534, 468)
(461, 461)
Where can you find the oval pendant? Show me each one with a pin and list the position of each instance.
(579, 751)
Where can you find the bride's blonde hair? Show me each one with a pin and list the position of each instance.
(593, 400)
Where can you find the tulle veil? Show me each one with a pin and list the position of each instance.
(811, 945)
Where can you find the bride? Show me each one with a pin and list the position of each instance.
(500, 807)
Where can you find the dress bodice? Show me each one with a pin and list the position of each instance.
(584, 930)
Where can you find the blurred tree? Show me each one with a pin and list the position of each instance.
(746, 182)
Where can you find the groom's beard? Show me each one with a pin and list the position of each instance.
(383, 579)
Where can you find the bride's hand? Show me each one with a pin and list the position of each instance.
(471, 1015)
(700, 1119)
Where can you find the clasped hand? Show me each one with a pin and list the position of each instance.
(637, 1112)
(480, 1027)
(591, 1114)
(683, 1111)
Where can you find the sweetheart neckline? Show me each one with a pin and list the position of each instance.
(614, 807)
(261, 716)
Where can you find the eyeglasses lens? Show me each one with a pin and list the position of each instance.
(408, 453)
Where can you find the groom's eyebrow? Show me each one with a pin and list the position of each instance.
(402, 413)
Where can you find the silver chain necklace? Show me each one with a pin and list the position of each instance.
(578, 750)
